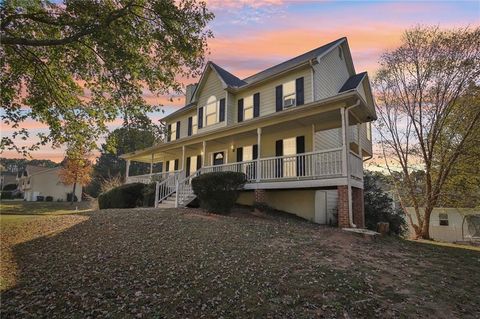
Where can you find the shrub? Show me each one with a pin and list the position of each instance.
(40, 198)
(149, 195)
(379, 206)
(124, 196)
(10, 187)
(49, 199)
(218, 191)
(6, 195)
(69, 197)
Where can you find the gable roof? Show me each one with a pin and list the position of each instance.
(227, 77)
(352, 82)
(305, 57)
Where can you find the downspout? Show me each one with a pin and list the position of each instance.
(349, 186)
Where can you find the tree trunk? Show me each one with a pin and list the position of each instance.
(73, 194)
(426, 222)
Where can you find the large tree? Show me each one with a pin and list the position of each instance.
(77, 169)
(418, 88)
(76, 65)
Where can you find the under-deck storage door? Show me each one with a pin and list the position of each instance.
(321, 207)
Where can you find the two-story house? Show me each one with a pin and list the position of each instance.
(299, 130)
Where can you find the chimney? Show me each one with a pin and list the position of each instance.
(190, 89)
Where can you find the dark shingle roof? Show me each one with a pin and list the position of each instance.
(292, 62)
(352, 82)
(227, 77)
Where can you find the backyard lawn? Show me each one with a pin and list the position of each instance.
(58, 262)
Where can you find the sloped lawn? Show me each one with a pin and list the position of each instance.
(171, 263)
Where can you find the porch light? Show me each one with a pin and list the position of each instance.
(232, 147)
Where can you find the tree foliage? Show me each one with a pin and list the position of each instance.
(14, 165)
(418, 88)
(379, 206)
(77, 65)
(77, 170)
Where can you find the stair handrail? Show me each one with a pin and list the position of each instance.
(183, 185)
(166, 187)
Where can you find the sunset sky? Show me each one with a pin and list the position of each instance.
(252, 35)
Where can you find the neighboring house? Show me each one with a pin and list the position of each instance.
(43, 181)
(299, 130)
(451, 224)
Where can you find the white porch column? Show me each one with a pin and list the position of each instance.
(259, 152)
(127, 170)
(344, 142)
(183, 157)
(151, 164)
(346, 157)
(204, 151)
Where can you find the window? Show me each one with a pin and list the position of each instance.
(171, 166)
(289, 94)
(194, 124)
(193, 164)
(173, 132)
(443, 219)
(247, 153)
(289, 163)
(211, 111)
(248, 108)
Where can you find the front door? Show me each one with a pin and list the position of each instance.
(218, 158)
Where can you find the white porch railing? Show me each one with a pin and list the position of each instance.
(301, 166)
(356, 165)
(150, 178)
(249, 168)
(184, 191)
(168, 186)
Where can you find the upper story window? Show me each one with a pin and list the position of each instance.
(211, 114)
(248, 108)
(194, 124)
(173, 132)
(289, 96)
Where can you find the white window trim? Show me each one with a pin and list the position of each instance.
(284, 95)
(249, 107)
(217, 113)
(173, 133)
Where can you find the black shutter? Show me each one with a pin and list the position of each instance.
(187, 171)
(240, 154)
(300, 159)
(200, 117)
(178, 130)
(240, 110)
(255, 151)
(176, 165)
(222, 110)
(169, 132)
(199, 162)
(190, 123)
(256, 105)
(167, 166)
(279, 98)
(299, 91)
(160, 167)
(279, 161)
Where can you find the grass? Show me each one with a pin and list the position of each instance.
(179, 263)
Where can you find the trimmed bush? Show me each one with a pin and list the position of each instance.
(49, 199)
(218, 191)
(124, 196)
(6, 195)
(40, 198)
(149, 195)
(10, 187)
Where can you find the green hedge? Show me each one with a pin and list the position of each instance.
(124, 196)
(218, 191)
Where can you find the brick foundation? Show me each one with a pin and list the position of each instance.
(260, 196)
(342, 217)
(358, 207)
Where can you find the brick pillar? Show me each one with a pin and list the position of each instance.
(260, 196)
(358, 207)
(342, 217)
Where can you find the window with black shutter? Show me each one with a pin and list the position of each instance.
(190, 121)
(169, 132)
(199, 162)
(279, 98)
(240, 110)
(299, 91)
(279, 161)
(300, 159)
(200, 117)
(176, 165)
(221, 116)
(240, 154)
(187, 171)
(177, 133)
(256, 105)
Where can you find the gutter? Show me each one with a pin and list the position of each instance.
(349, 186)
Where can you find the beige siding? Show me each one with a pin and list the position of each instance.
(183, 122)
(364, 141)
(328, 139)
(231, 110)
(267, 92)
(361, 91)
(213, 86)
(48, 184)
(330, 74)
